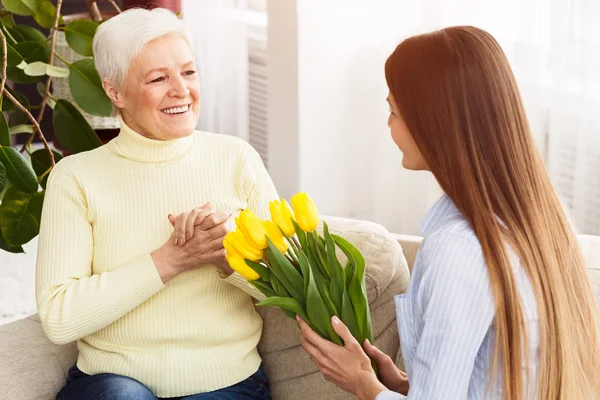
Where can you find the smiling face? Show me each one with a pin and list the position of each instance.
(160, 98)
(412, 157)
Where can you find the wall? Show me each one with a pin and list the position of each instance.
(328, 112)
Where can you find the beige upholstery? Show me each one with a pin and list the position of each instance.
(32, 368)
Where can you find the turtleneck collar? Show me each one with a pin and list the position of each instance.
(137, 147)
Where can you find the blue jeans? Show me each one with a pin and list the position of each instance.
(81, 386)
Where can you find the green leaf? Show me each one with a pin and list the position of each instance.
(278, 287)
(4, 132)
(19, 171)
(286, 272)
(13, 57)
(80, 35)
(6, 19)
(317, 312)
(21, 7)
(260, 270)
(2, 177)
(30, 52)
(6, 247)
(357, 290)
(86, 87)
(40, 160)
(286, 303)
(20, 215)
(8, 105)
(338, 282)
(40, 69)
(17, 129)
(304, 267)
(73, 132)
(44, 15)
(265, 288)
(29, 33)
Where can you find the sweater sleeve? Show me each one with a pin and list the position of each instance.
(260, 191)
(72, 301)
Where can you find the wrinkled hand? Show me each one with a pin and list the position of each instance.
(391, 376)
(204, 245)
(348, 366)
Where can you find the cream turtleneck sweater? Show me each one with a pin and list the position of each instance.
(104, 212)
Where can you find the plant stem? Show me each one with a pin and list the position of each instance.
(49, 80)
(115, 6)
(51, 60)
(19, 105)
(34, 122)
(95, 14)
(4, 61)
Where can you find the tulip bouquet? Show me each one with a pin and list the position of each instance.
(297, 269)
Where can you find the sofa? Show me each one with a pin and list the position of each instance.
(33, 368)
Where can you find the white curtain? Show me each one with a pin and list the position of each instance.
(219, 32)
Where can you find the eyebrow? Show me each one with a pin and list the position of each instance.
(163, 69)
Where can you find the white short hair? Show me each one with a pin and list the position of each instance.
(122, 38)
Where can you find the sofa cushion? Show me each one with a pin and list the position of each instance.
(32, 368)
(292, 373)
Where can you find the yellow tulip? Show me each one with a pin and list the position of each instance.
(238, 264)
(282, 215)
(235, 242)
(307, 215)
(276, 236)
(253, 229)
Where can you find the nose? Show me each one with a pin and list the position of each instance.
(179, 87)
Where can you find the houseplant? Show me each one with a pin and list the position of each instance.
(28, 58)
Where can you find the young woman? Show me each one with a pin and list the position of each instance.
(499, 304)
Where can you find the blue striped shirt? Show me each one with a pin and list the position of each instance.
(446, 318)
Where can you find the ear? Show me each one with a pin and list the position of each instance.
(113, 93)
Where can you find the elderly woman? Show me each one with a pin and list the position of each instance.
(156, 311)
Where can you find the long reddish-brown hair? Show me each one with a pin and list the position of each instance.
(457, 94)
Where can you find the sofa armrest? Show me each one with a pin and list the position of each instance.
(31, 367)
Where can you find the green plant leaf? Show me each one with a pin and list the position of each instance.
(20, 215)
(73, 132)
(21, 7)
(40, 69)
(318, 313)
(338, 281)
(19, 171)
(260, 270)
(40, 160)
(4, 133)
(286, 303)
(80, 35)
(29, 34)
(86, 87)
(13, 57)
(44, 15)
(6, 19)
(3, 179)
(6, 247)
(8, 105)
(30, 52)
(286, 272)
(357, 290)
(264, 287)
(18, 129)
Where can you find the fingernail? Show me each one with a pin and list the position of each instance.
(176, 241)
(335, 320)
(297, 318)
(367, 343)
